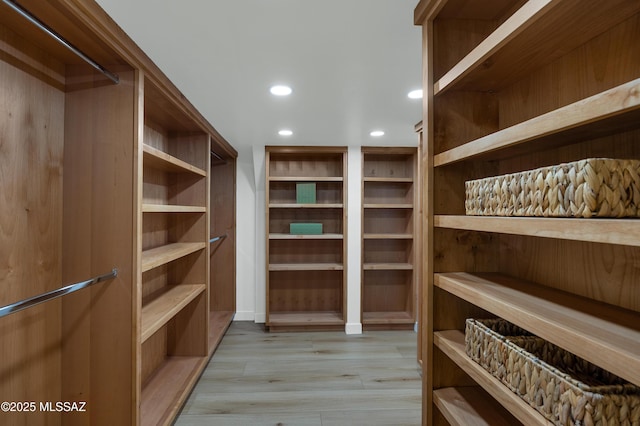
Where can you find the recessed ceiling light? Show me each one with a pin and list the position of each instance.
(280, 90)
(285, 132)
(377, 133)
(415, 94)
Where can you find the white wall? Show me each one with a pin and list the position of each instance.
(245, 240)
(354, 246)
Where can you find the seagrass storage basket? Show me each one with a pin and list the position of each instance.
(595, 187)
(564, 388)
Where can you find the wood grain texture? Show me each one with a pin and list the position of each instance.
(305, 251)
(284, 192)
(619, 106)
(608, 273)
(390, 163)
(31, 232)
(303, 291)
(517, 23)
(175, 313)
(559, 28)
(158, 311)
(101, 220)
(559, 88)
(385, 192)
(603, 334)
(306, 267)
(388, 290)
(611, 231)
(451, 342)
(222, 218)
(155, 257)
(158, 406)
(163, 208)
(305, 273)
(591, 68)
(470, 406)
(219, 322)
(99, 228)
(159, 159)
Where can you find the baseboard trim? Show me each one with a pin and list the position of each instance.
(353, 328)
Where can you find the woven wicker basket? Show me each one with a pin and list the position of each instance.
(564, 388)
(595, 187)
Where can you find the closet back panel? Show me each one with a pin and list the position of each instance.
(222, 253)
(31, 157)
(98, 236)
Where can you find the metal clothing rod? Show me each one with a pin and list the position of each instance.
(44, 27)
(54, 294)
(213, 153)
(220, 237)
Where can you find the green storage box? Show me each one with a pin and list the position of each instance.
(305, 193)
(305, 228)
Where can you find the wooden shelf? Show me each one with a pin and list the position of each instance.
(388, 206)
(162, 255)
(306, 237)
(451, 342)
(516, 46)
(611, 110)
(219, 322)
(305, 206)
(388, 179)
(387, 267)
(167, 208)
(465, 406)
(382, 317)
(168, 388)
(305, 318)
(388, 236)
(512, 27)
(163, 161)
(610, 231)
(306, 267)
(605, 335)
(165, 305)
(306, 179)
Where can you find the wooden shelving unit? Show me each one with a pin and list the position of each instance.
(165, 305)
(102, 171)
(174, 251)
(306, 274)
(512, 86)
(464, 406)
(389, 239)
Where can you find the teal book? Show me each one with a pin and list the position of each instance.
(305, 228)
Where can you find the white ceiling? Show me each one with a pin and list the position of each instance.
(350, 63)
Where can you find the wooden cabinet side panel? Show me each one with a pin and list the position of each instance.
(99, 235)
(223, 222)
(31, 209)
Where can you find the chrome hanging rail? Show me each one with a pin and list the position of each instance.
(219, 237)
(217, 159)
(44, 27)
(32, 301)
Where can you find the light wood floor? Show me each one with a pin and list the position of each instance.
(308, 379)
